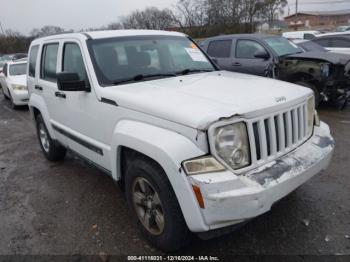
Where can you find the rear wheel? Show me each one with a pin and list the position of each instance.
(52, 150)
(154, 205)
(313, 88)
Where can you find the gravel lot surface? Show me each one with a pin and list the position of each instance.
(72, 208)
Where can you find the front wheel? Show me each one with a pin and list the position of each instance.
(154, 205)
(3, 93)
(52, 150)
(313, 88)
(12, 104)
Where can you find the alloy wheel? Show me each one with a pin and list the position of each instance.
(148, 206)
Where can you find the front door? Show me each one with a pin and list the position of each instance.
(245, 60)
(79, 117)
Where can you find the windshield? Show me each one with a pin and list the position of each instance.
(141, 58)
(282, 46)
(19, 69)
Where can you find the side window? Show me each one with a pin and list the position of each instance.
(247, 49)
(73, 60)
(49, 62)
(325, 42)
(32, 60)
(220, 48)
(340, 43)
(309, 36)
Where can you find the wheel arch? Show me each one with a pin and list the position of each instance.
(167, 149)
(37, 106)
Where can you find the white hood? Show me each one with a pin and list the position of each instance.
(19, 80)
(200, 99)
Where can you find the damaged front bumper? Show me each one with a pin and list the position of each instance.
(230, 199)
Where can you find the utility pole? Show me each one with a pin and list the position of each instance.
(296, 14)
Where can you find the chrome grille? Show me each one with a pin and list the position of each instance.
(277, 134)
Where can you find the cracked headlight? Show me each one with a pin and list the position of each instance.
(310, 115)
(19, 87)
(232, 145)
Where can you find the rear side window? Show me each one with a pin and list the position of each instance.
(325, 42)
(49, 62)
(220, 48)
(340, 43)
(309, 36)
(73, 60)
(32, 60)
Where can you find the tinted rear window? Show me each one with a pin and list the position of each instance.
(32, 60)
(220, 48)
(49, 62)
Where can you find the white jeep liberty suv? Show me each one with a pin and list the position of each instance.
(196, 149)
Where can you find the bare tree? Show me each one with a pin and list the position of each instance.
(114, 26)
(48, 30)
(150, 18)
(192, 13)
(273, 8)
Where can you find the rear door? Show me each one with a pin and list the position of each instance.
(335, 44)
(340, 45)
(245, 60)
(47, 84)
(221, 50)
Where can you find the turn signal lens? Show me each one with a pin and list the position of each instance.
(199, 197)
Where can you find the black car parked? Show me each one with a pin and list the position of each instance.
(274, 56)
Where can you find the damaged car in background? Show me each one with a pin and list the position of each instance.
(309, 65)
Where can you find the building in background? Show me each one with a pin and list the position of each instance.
(318, 19)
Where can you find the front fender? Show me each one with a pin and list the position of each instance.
(36, 101)
(168, 149)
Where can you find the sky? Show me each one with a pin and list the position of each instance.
(24, 15)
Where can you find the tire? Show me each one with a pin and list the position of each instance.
(174, 233)
(313, 88)
(12, 104)
(3, 92)
(52, 150)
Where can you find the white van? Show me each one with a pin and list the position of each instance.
(308, 35)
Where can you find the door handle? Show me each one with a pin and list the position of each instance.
(38, 88)
(236, 64)
(60, 95)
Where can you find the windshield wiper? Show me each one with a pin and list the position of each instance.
(189, 71)
(141, 77)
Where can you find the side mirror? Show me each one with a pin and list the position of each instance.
(262, 54)
(71, 82)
